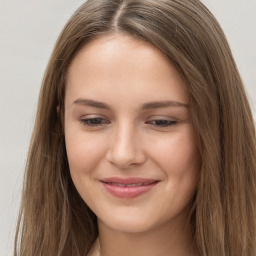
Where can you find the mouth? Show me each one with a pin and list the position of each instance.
(128, 187)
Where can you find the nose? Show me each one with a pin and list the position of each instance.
(125, 148)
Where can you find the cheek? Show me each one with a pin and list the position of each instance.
(84, 152)
(177, 154)
(179, 159)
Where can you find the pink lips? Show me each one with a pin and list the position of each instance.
(128, 187)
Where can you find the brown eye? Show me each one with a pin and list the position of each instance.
(94, 121)
(162, 122)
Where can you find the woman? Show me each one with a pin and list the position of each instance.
(144, 142)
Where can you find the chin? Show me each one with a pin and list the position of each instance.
(128, 224)
(136, 220)
(133, 221)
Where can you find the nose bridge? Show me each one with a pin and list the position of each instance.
(125, 138)
(125, 149)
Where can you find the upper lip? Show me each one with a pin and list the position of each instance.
(130, 180)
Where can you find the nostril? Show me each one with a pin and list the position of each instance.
(126, 158)
(125, 147)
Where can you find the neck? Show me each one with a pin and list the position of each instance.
(171, 239)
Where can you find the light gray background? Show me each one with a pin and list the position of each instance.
(28, 30)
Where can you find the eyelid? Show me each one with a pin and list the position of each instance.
(166, 121)
(85, 120)
(99, 121)
(156, 117)
(93, 115)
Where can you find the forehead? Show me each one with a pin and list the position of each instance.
(124, 65)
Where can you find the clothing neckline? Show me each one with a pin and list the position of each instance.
(95, 249)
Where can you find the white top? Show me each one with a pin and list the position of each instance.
(95, 250)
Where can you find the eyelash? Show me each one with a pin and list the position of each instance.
(162, 122)
(91, 121)
(98, 121)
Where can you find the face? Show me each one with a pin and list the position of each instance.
(129, 137)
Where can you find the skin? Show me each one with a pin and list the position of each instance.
(127, 140)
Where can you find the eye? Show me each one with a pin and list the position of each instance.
(95, 121)
(162, 122)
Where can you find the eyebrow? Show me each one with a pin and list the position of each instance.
(163, 104)
(91, 103)
(145, 106)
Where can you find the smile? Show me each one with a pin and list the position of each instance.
(128, 187)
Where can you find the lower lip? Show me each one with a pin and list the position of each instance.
(128, 192)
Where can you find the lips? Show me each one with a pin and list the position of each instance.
(128, 187)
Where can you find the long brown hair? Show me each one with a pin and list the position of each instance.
(54, 220)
